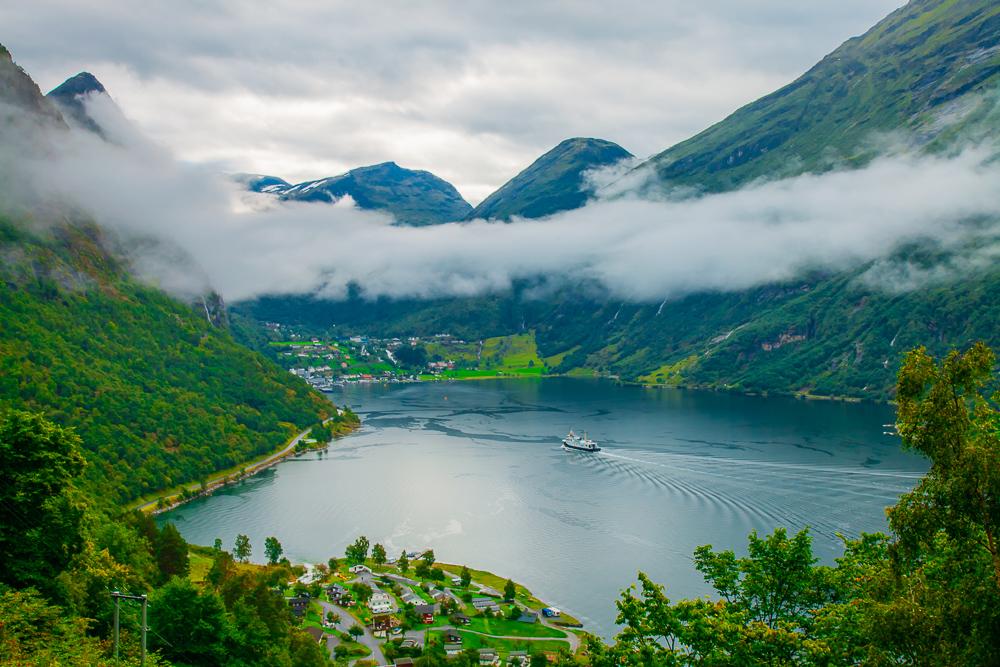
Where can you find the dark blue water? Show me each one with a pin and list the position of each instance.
(474, 470)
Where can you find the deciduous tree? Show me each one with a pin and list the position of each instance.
(40, 510)
(242, 549)
(273, 550)
(378, 554)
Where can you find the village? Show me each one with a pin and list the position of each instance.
(327, 363)
(376, 611)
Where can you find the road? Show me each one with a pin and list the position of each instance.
(250, 470)
(346, 621)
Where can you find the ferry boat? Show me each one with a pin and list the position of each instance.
(584, 444)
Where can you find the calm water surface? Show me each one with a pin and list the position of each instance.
(474, 470)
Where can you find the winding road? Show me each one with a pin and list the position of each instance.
(252, 469)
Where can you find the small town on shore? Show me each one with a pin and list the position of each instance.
(368, 609)
(326, 362)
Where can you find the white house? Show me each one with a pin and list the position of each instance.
(358, 569)
(380, 603)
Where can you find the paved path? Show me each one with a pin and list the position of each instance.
(347, 619)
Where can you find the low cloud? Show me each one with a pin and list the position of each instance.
(245, 245)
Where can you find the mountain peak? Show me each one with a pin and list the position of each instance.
(552, 183)
(80, 84)
(68, 96)
(411, 196)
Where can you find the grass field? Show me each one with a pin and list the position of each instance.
(502, 626)
(474, 641)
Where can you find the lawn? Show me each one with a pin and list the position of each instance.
(199, 563)
(502, 626)
(474, 641)
(513, 353)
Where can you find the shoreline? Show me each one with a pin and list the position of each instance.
(800, 395)
(175, 498)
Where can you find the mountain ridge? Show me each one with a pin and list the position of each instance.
(902, 74)
(554, 182)
(413, 197)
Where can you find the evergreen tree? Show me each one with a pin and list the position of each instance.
(509, 591)
(403, 563)
(466, 577)
(171, 553)
(189, 626)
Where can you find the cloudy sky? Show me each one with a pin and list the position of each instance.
(472, 91)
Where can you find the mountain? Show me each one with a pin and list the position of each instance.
(552, 183)
(69, 97)
(932, 70)
(19, 91)
(160, 393)
(412, 197)
(262, 183)
(924, 74)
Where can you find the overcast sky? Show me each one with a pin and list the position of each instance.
(472, 91)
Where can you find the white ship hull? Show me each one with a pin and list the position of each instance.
(575, 442)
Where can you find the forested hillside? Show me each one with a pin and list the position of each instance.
(159, 395)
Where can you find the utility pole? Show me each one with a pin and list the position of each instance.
(142, 662)
(140, 598)
(115, 595)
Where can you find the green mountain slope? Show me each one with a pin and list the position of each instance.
(160, 392)
(412, 197)
(552, 183)
(920, 73)
(159, 395)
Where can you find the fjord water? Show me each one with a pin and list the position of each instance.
(474, 470)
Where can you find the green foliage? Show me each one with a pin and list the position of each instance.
(305, 652)
(357, 552)
(35, 633)
(412, 356)
(403, 563)
(242, 549)
(945, 415)
(378, 554)
(929, 595)
(189, 626)
(466, 577)
(40, 511)
(509, 591)
(321, 433)
(159, 395)
(273, 550)
(362, 592)
(776, 583)
(171, 553)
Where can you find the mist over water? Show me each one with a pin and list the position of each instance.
(475, 471)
